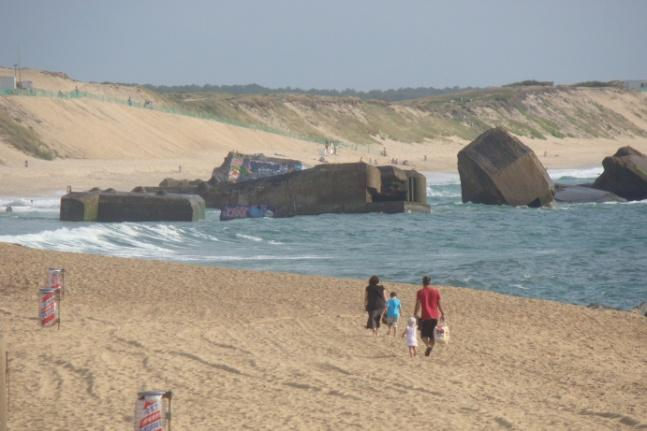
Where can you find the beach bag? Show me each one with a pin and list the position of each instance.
(441, 332)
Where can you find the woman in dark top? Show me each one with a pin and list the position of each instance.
(374, 303)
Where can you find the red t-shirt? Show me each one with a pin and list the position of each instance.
(429, 298)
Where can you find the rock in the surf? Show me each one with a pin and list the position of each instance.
(625, 174)
(497, 168)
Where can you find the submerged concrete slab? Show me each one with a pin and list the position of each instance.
(128, 206)
(583, 194)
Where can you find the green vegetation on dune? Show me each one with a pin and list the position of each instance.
(23, 138)
(538, 111)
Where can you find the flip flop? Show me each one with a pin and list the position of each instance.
(428, 351)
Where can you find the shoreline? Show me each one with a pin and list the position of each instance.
(255, 346)
(123, 175)
(351, 279)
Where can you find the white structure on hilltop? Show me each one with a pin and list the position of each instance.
(7, 82)
(636, 85)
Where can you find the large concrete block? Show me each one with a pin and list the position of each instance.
(625, 174)
(80, 206)
(333, 188)
(129, 206)
(497, 168)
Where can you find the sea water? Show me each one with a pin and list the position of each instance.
(594, 253)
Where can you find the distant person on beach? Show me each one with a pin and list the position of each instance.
(393, 311)
(374, 302)
(412, 337)
(428, 303)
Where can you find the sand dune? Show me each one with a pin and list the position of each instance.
(107, 143)
(251, 350)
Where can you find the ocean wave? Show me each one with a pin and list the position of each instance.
(593, 172)
(249, 237)
(435, 193)
(121, 239)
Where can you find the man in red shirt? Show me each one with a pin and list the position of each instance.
(428, 303)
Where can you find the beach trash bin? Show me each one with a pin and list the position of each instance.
(151, 412)
(55, 279)
(48, 309)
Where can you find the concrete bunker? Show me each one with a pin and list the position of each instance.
(130, 206)
(334, 188)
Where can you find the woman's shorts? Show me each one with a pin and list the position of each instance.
(392, 320)
(427, 328)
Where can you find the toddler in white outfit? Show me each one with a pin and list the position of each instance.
(411, 332)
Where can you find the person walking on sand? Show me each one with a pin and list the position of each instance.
(428, 303)
(393, 311)
(374, 301)
(412, 337)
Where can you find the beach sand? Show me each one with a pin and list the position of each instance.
(255, 350)
(48, 178)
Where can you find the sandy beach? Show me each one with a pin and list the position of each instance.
(49, 178)
(253, 350)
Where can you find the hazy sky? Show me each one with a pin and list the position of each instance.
(362, 44)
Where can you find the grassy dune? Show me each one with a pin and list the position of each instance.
(532, 111)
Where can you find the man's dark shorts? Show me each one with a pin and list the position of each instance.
(427, 328)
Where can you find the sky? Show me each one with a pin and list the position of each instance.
(331, 44)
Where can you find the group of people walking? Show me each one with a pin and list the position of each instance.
(427, 312)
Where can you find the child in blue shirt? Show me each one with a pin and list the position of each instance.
(392, 313)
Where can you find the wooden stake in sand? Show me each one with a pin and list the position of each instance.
(150, 414)
(4, 383)
(56, 279)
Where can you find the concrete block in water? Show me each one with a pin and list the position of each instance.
(497, 168)
(334, 188)
(80, 206)
(128, 206)
(625, 174)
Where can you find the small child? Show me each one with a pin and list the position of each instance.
(392, 313)
(412, 336)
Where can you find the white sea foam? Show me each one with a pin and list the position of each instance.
(592, 172)
(249, 237)
(442, 178)
(120, 239)
(435, 193)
